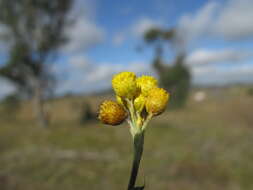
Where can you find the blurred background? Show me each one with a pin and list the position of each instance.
(57, 59)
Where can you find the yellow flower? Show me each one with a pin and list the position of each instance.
(156, 101)
(139, 103)
(112, 113)
(146, 83)
(124, 85)
(121, 101)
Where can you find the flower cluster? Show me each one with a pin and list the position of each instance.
(137, 100)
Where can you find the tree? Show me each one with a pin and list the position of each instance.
(175, 78)
(34, 33)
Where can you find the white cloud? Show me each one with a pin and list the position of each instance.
(235, 20)
(215, 75)
(4, 46)
(83, 35)
(232, 20)
(193, 26)
(119, 38)
(84, 8)
(136, 29)
(142, 25)
(81, 75)
(5, 88)
(94, 76)
(204, 56)
(79, 61)
(207, 66)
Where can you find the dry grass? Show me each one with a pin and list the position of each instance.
(207, 145)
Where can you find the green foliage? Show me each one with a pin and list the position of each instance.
(175, 78)
(169, 34)
(152, 35)
(34, 30)
(250, 91)
(87, 114)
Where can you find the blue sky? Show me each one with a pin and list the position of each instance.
(217, 36)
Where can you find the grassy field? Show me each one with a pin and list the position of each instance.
(207, 145)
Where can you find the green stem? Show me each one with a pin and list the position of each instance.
(138, 149)
(131, 110)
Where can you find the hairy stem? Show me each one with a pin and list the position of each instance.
(138, 149)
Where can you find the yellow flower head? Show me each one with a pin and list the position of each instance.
(111, 113)
(146, 83)
(139, 103)
(156, 101)
(124, 85)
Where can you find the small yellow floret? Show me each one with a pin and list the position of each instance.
(124, 85)
(139, 103)
(121, 101)
(112, 113)
(157, 101)
(146, 83)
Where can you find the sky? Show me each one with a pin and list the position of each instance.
(217, 36)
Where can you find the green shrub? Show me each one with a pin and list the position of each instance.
(176, 79)
(250, 91)
(86, 113)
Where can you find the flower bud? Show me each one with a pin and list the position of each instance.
(146, 83)
(139, 103)
(121, 101)
(124, 85)
(112, 113)
(156, 101)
